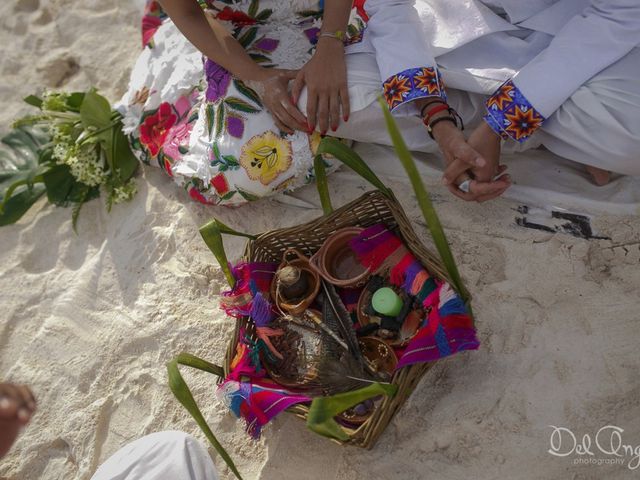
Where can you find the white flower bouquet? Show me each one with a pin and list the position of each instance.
(71, 150)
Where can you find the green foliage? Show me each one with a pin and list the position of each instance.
(21, 174)
(74, 146)
(181, 391)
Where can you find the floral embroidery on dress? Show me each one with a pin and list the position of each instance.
(266, 156)
(511, 115)
(209, 130)
(151, 20)
(412, 84)
(218, 80)
(155, 128)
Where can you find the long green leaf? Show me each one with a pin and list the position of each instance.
(33, 101)
(123, 159)
(324, 409)
(95, 110)
(59, 183)
(322, 184)
(21, 171)
(212, 235)
(181, 391)
(350, 158)
(19, 204)
(428, 212)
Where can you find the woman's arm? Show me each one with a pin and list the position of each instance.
(325, 75)
(212, 39)
(217, 44)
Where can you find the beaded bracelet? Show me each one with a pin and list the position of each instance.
(453, 117)
(443, 107)
(431, 103)
(337, 35)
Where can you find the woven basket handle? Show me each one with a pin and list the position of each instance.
(183, 394)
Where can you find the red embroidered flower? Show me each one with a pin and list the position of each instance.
(220, 183)
(154, 129)
(150, 24)
(235, 16)
(167, 167)
(196, 195)
(522, 123)
(359, 6)
(394, 89)
(503, 97)
(427, 80)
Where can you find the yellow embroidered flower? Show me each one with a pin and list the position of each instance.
(314, 142)
(266, 156)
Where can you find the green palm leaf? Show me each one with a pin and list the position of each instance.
(21, 171)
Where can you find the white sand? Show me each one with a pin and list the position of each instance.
(89, 321)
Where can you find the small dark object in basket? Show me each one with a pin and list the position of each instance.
(300, 343)
(390, 323)
(367, 329)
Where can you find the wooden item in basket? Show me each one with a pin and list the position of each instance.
(293, 258)
(337, 263)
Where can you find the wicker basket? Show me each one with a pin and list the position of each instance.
(374, 207)
(371, 208)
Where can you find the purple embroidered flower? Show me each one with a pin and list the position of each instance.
(235, 126)
(266, 44)
(218, 79)
(312, 34)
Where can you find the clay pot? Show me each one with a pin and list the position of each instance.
(303, 292)
(384, 360)
(337, 263)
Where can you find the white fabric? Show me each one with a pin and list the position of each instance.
(170, 455)
(605, 32)
(597, 126)
(478, 49)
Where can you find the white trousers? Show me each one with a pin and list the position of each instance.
(170, 455)
(598, 125)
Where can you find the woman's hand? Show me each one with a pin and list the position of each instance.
(479, 156)
(17, 405)
(272, 86)
(325, 76)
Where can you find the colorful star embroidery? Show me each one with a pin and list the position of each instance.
(427, 81)
(503, 97)
(411, 84)
(511, 115)
(395, 88)
(522, 122)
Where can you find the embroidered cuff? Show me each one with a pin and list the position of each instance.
(511, 115)
(412, 84)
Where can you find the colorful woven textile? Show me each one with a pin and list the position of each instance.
(256, 404)
(448, 328)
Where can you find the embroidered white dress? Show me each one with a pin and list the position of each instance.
(210, 132)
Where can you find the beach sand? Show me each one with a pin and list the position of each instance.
(89, 320)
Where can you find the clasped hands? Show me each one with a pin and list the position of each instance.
(476, 159)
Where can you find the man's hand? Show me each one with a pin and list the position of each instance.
(478, 160)
(17, 405)
(325, 76)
